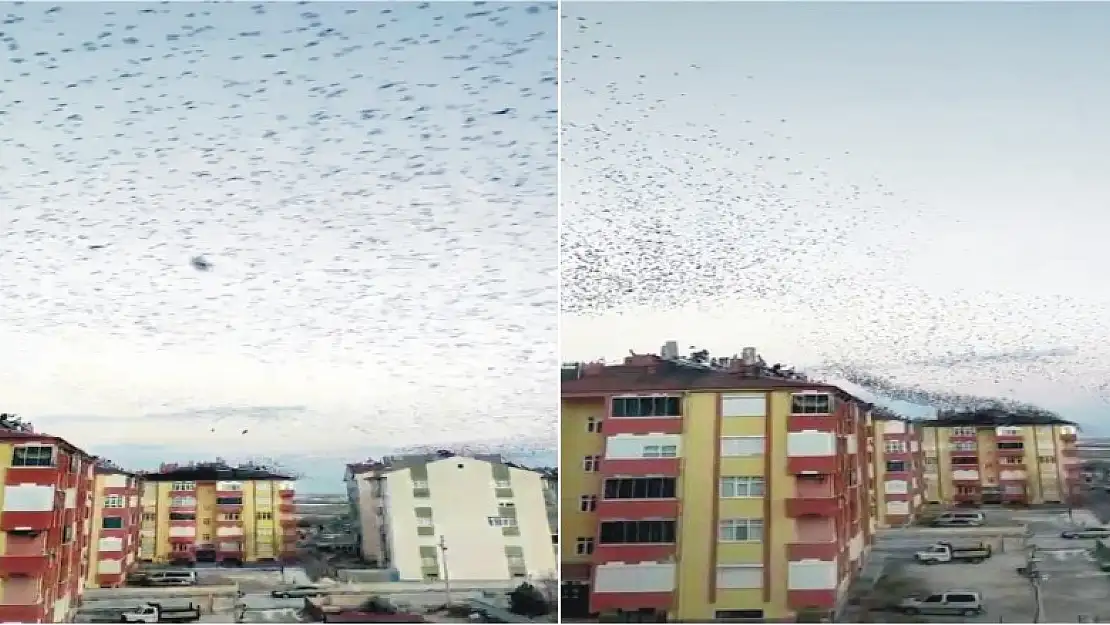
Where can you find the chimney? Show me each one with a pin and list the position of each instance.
(669, 350)
(749, 356)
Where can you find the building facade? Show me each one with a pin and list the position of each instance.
(428, 517)
(898, 469)
(984, 457)
(114, 541)
(216, 513)
(705, 492)
(45, 522)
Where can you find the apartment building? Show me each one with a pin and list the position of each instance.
(703, 490)
(216, 513)
(45, 519)
(117, 513)
(434, 516)
(898, 465)
(991, 456)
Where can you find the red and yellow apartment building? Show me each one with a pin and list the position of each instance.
(114, 544)
(898, 464)
(217, 513)
(710, 493)
(45, 520)
(990, 457)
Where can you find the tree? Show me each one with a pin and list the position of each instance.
(527, 600)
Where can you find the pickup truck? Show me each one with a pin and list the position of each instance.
(943, 552)
(158, 613)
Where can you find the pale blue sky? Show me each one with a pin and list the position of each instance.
(880, 183)
(373, 183)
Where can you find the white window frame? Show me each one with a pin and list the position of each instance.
(894, 446)
(743, 487)
(501, 521)
(51, 453)
(752, 528)
(584, 545)
(587, 503)
(425, 521)
(831, 407)
(114, 501)
(421, 484)
(591, 464)
(659, 451)
(964, 430)
(725, 440)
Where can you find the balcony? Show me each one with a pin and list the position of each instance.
(822, 465)
(669, 467)
(967, 497)
(965, 452)
(37, 520)
(642, 425)
(29, 565)
(1010, 452)
(959, 435)
(812, 506)
(827, 551)
(638, 509)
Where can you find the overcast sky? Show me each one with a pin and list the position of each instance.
(372, 185)
(881, 183)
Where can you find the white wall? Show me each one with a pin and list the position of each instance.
(739, 576)
(110, 544)
(896, 487)
(810, 443)
(643, 577)
(462, 498)
(744, 405)
(811, 575)
(183, 530)
(965, 474)
(631, 446)
(898, 507)
(28, 498)
(894, 427)
(115, 480)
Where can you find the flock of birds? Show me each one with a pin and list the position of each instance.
(363, 186)
(677, 195)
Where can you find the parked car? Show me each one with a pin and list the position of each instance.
(960, 519)
(158, 613)
(297, 592)
(1086, 532)
(948, 603)
(944, 551)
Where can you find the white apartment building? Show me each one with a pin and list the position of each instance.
(472, 519)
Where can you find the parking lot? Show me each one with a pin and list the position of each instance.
(1074, 589)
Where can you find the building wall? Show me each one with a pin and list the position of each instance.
(899, 496)
(259, 527)
(365, 504)
(798, 562)
(114, 552)
(44, 512)
(462, 498)
(1045, 471)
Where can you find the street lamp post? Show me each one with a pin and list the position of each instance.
(446, 574)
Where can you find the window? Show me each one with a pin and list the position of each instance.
(963, 431)
(184, 516)
(740, 530)
(1046, 460)
(502, 484)
(966, 490)
(113, 501)
(429, 562)
(184, 486)
(593, 425)
(1010, 461)
(74, 464)
(501, 521)
(183, 502)
(584, 546)
(425, 521)
(811, 403)
(738, 615)
(641, 488)
(587, 503)
(150, 516)
(1012, 446)
(111, 523)
(894, 446)
(33, 456)
(264, 516)
(1007, 431)
(647, 407)
(660, 451)
(421, 484)
(964, 461)
(591, 464)
(179, 547)
(735, 446)
(930, 463)
(965, 446)
(229, 516)
(637, 532)
(67, 534)
(229, 501)
(741, 486)
(895, 466)
(206, 537)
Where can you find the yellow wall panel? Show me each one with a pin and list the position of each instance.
(740, 553)
(697, 531)
(753, 466)
(577, 442)
(743, 426)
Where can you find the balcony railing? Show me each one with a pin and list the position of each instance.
(812, 506)
(31, 565)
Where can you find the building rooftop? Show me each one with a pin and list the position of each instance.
(405, 461)
(994, 417)
(652, 373)
(12, 428)
(211, 472)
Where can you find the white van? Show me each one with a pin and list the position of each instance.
(172, 578)
(960, 519)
